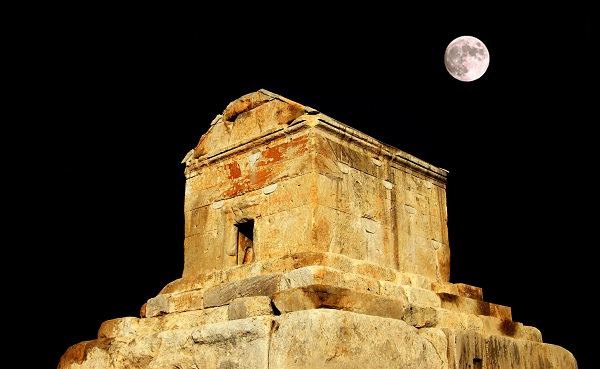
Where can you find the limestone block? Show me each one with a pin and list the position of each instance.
(241, 121)
(353, 154)
(286, 263)
(338, 261)
(422, 316)
(392, 290)
(242, 171)
(376, 269)
(353, 192)
(187, 300)
(367, 194)
(323, 296)
(502, 327)
(455, 320)
(253, 269)
(186, 319)
(422, 297)
(84, 355)
(325, 338)
(195, 221)
(445, 287)
(464, 304)
(207, 178)
(471, 292)
(245, 307)
(474, 306)
(176, 302)
(442, 256)
(466, 350)
(319, 338)
(532, 333)
(347, 234)
(158, 305)
(244, 104)
(503, 352)
(334, 191)
(329, 167)
(193, 282)
(242, 343)
(416, 280)
(264, 285)
(162, 350)
(323, 230)
(378, 241)
(120, 327)
(439, 340)
(201, 255)
(472, 350)
(281, 264)
(286, 232)
(501, 311)
(197, 198)
(312, 275)
(290, 193)
(421, 226)
(274, 163)
(426, 255)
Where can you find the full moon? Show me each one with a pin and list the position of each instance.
(466, 58)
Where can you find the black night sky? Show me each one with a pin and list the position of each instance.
(124, 95)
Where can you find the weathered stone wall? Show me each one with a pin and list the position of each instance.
(309, 183)
(379, 208)
(270, 185)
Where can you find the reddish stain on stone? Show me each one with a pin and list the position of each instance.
(255, 180)
(260, 178)
(272, 154)
(263, 173)
(237, 188)
(234, 170)
(289, 149)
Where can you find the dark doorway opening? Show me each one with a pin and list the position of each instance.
(245, 242)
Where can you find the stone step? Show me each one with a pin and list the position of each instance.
(473, 306)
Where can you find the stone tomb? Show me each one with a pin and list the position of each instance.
(309, 243)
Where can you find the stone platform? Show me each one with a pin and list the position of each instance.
(317, 309)
(310, 244)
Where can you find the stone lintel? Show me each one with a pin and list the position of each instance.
(330, 297)
(223, 294)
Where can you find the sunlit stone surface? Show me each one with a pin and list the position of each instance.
(309, 244)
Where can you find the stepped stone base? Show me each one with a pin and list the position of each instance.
(322, 310)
